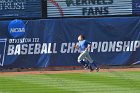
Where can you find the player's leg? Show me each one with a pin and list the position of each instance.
(91, 62)
(86, 66)
(80, 59)
(89, 66)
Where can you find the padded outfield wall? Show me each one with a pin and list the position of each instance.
(43, 42)
(50, 42)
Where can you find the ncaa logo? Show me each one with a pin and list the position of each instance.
(16, 28)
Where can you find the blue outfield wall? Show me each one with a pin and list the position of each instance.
(49, 42)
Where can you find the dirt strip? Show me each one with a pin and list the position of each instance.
(67, 71)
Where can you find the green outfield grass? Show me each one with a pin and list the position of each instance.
(102, 82)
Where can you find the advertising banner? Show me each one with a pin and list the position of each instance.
(82, 8)
(2, 50)
(49, 42)
(20, 9)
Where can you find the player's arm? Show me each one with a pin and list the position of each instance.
(89, 46)
(76, 46)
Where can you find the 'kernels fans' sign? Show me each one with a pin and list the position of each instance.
(67, 8)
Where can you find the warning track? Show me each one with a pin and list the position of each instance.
(68, 71)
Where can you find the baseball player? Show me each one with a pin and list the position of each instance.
(83, 45)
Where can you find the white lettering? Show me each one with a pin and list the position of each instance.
(63, 46)
(10, 50)
(12, 30)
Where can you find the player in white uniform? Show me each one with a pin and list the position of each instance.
(83, 45)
